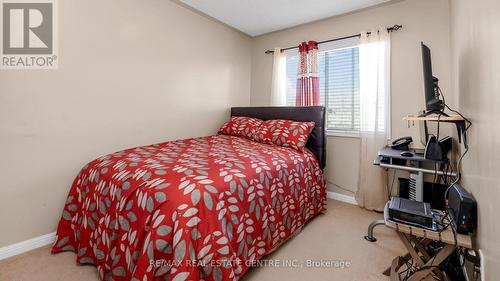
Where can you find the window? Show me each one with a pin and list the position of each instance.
(338, 65)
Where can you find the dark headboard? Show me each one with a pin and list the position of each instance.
(317, 140)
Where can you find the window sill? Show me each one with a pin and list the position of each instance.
(342, 134)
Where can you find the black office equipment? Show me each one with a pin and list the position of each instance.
(404, 188)
(390, 155)
(447, 143)
(397, 159)
(407, 154)
(433, 193)
(401, 143)
(438, 150)
(463, 209)
(453, 267)
(410, 211)
(432, 100)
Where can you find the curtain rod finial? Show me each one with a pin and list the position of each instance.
(272, 52)
(397, 27)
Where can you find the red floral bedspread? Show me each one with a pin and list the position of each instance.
(201, 208)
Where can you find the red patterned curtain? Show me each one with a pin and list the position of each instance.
(307, 76)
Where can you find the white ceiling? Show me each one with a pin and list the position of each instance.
(257, 17)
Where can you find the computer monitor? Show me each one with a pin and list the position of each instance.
(432, 102)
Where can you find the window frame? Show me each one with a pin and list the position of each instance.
(333, 46)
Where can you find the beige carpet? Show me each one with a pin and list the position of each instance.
(334, 236)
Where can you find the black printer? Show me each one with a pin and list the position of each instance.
(463, 209)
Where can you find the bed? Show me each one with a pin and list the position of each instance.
(196, 209)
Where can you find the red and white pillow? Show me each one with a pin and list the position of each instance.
(241, 126)
(286, 133)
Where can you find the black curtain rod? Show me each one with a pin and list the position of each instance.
(396, 27)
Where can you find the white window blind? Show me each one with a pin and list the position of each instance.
(338, 84)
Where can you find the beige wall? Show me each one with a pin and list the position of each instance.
(135, 73)
(130, 73)
(422, 20)
(475, 73)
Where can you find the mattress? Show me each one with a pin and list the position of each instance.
(196, 209)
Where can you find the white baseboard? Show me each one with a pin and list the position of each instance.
(27, 245)
(341, 197)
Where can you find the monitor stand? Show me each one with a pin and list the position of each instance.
(436, 111)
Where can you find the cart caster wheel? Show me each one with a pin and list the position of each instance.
(371, 239)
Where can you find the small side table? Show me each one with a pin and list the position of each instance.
(415, 239)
